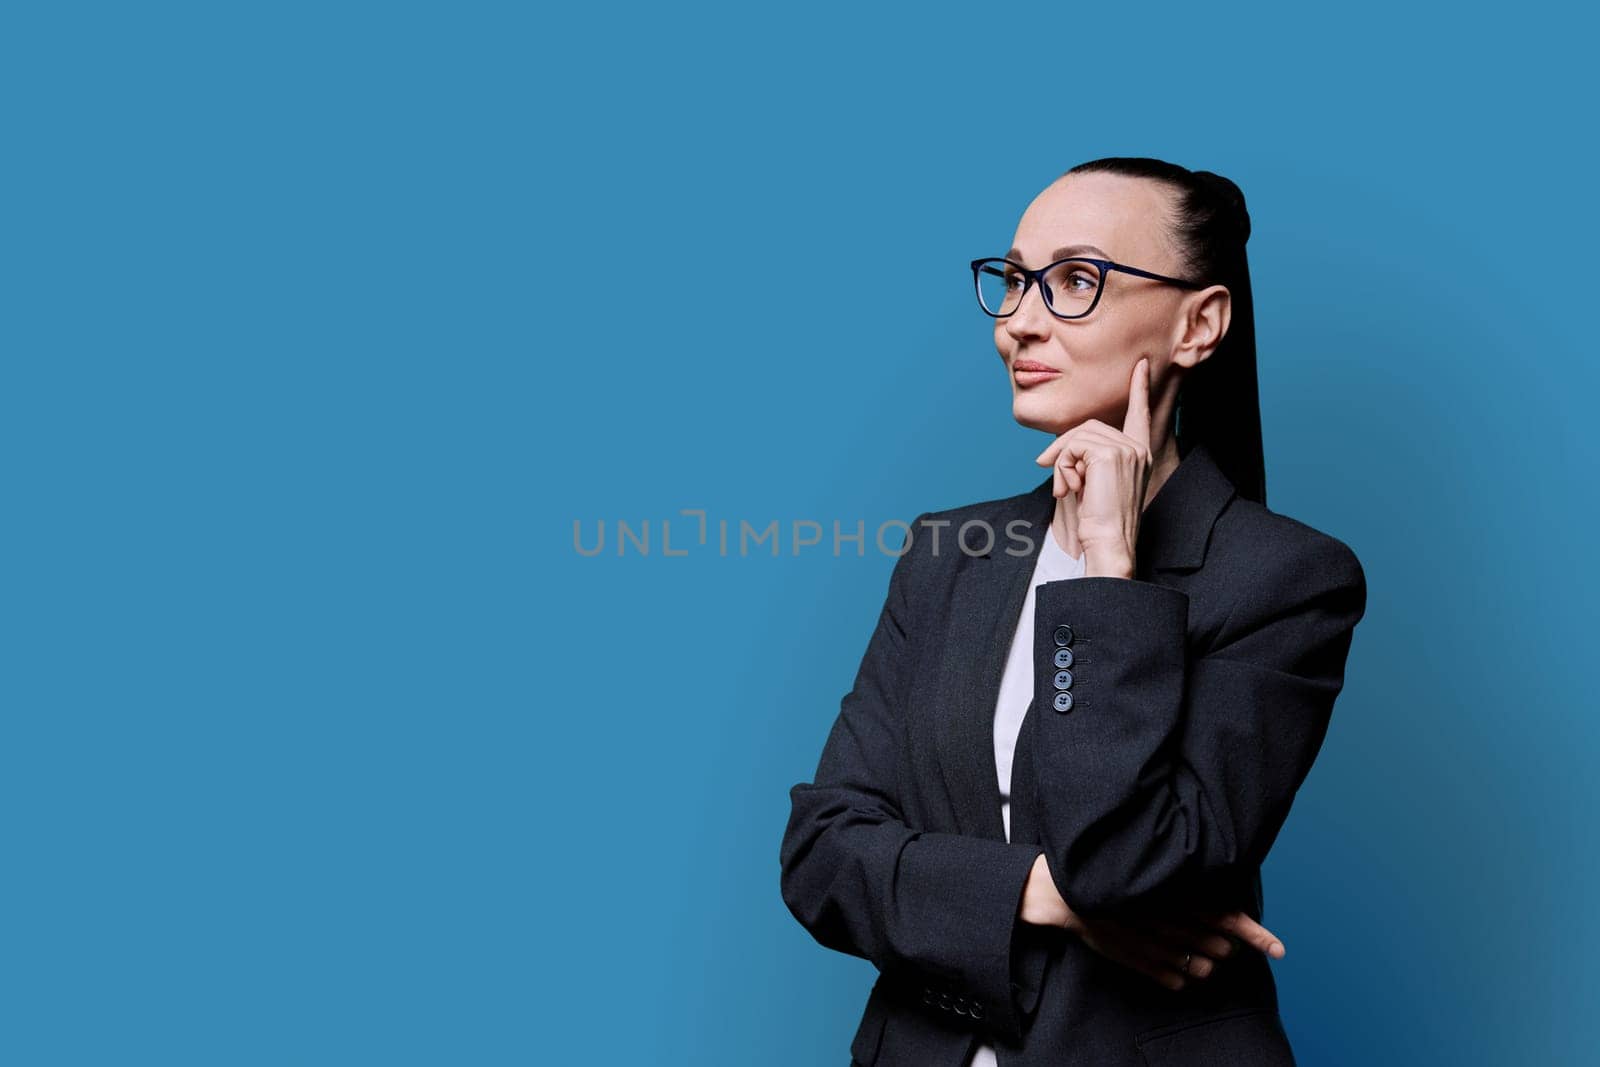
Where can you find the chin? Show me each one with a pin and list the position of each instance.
(1038, 410)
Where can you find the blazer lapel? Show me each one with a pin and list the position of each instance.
(982, 619)
(985, 604)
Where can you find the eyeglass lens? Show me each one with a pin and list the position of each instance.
(1070, 286)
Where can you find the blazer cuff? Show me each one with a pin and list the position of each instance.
(971, 890)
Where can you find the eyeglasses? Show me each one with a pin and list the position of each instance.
(1071, 287)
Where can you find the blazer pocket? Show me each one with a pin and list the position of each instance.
(864, 1047)
(1250, 1037)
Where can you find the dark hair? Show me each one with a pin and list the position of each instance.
(1219, 403)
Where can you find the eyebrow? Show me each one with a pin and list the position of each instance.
(1015, 255)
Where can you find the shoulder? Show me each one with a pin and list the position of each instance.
(939, 543)
(1275, 559)
(943, 533)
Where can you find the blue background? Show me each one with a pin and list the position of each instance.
(325, 323)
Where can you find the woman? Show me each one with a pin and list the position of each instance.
(1085, 709)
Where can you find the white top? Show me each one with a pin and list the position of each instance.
(1016, 693)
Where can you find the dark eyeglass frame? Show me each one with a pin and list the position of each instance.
(1038, 276)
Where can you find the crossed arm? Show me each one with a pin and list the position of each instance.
(1180, 772)
(1172, 775)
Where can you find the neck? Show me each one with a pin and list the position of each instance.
(1166, 460)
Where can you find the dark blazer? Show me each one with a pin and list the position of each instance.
(1199, 694)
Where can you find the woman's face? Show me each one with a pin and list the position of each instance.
(1090, 360)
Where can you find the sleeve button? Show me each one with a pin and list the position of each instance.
(1063, 635)
(1063, 701)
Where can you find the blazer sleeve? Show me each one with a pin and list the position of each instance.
(938, 909)
(1172, 774)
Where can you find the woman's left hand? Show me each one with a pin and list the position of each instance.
(1109, 470)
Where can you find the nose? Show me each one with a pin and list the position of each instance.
(1032, 319)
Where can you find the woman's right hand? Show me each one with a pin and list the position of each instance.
(1156, 945)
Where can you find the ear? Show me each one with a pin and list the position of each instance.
(1202, 325)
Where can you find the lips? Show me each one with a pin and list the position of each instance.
(1028, 372)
